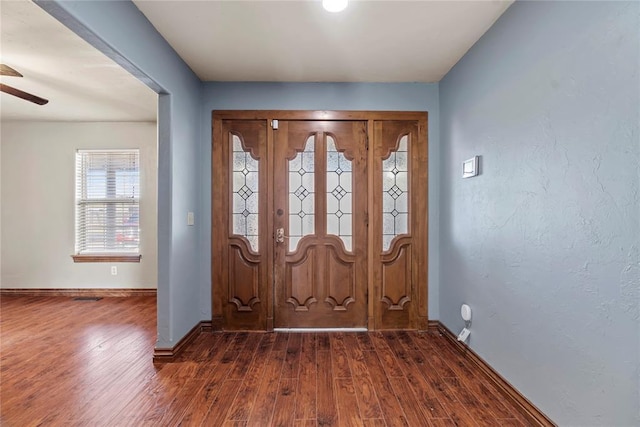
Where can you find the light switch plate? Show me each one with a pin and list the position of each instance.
(190, 218)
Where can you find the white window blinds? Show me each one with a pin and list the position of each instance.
(107, 201)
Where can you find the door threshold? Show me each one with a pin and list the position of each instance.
(320, 329)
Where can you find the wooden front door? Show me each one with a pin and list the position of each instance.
(320, 202)
(319, 219)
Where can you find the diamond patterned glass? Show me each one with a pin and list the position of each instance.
(245, 194)
(339, 194)
(395, 194)
(301, 194)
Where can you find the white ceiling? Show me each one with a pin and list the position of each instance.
(80, 82)
(235, 40)
(371, 41)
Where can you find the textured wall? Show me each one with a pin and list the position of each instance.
(38, 204)
(544, 244)
(330, 96)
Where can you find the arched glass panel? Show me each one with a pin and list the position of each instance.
(301, 194)
(395, 194)
(339, 194)
(245, 177)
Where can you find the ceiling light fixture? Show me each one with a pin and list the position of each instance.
(335, 5)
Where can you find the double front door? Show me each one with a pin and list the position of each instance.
(319, 220)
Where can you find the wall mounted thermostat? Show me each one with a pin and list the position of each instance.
(470, 167)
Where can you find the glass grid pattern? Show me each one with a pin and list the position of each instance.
(339, 195)
(301, 194)
(245, 176)
(395, 194)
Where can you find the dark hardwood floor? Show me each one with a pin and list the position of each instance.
(89, 363)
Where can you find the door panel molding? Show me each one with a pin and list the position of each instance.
(396, 275)
(244, 274)
(341, 278)
(327, 276)
(302, 270)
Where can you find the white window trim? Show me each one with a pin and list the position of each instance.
(114, 208)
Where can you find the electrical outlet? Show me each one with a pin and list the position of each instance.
(464, 334)
(114, 270)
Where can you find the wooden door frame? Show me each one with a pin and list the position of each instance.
(421, 310)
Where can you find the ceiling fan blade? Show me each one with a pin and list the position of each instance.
(21, 94)
(5, 70)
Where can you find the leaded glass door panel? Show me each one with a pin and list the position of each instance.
(240, 244)
(319, 219)
(399, 224)
(320, 204)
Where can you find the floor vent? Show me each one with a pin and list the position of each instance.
(87, 298)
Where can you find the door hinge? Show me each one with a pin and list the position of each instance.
(366, 142)
(366, 219)
(274, 124)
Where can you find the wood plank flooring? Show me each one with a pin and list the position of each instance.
(89, 363)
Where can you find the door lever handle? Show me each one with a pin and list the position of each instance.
(280, 235)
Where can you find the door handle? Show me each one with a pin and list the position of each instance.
(280, 235)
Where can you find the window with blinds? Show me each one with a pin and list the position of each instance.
(107, 201)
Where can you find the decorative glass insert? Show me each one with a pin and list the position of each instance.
(245, 194)
(301, 194)
(339, 194)
(395, 194)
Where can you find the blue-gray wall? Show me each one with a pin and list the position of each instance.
(329, 96)
(121, 31)
(544, 245)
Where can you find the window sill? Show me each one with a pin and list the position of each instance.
(106, 258)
